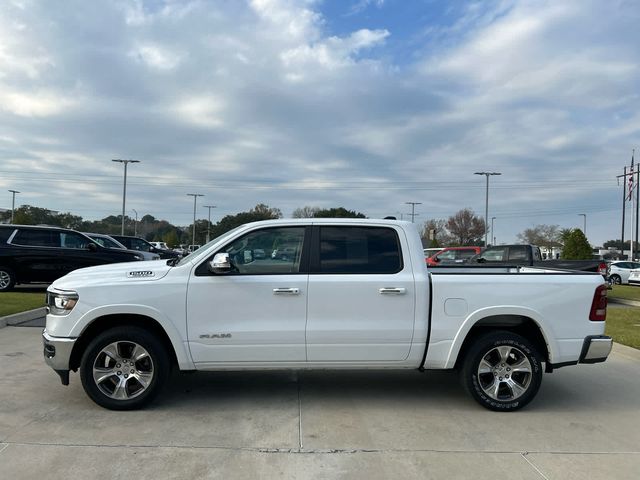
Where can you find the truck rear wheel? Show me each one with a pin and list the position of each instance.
(502, 371)
(124, 368)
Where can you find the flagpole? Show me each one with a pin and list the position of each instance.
(624, 213)
(631, 185)
(637, 191)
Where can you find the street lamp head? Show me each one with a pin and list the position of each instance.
(125, 161)
(487, 173)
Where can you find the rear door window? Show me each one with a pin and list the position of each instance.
(5, 233)
(359, 250)
(518, 252)
(465, 254)
(37, 238)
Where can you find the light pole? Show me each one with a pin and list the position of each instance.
(13, 202)
(135, 224)
(492, 233)
(413, 209)
(584, 229)
(486, 203)
(195, 198)
(124, 188)
(209, 224)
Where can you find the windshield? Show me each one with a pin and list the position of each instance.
(108, 242)
(200, 250)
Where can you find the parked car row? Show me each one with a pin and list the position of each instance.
(33, 254)
(510, 255)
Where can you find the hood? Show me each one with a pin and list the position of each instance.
(113, 273)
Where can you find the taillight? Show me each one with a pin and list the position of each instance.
(602, 269)
(599, 305)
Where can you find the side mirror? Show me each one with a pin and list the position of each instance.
(481, 260)
(221, 263)
(92, 247)
(435, 259)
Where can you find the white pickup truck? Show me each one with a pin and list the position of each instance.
(338, 294)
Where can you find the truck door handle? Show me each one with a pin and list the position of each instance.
(393, 290)
(286, 291)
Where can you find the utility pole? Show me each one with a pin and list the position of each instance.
(486, 203)
(195, 198)
(492, 232)
(135, 224)
(13, 202)
(208, 224)
(584, 228)
(628, 179)
(124, 188)
(413, 209)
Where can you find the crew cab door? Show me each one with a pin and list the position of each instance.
(361, 304)
(256, 312)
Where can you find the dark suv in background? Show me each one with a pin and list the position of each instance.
(43, 254)
(135, 243)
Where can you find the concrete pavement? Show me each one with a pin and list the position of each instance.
(374, 425)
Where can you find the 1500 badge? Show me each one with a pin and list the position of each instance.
(140, 273)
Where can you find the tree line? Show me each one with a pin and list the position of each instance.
(464, 228)
(156, 230)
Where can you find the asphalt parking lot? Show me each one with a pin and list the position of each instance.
(585, 423)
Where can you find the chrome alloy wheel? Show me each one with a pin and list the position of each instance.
(123, 370)
(5, 279)
(504, 373)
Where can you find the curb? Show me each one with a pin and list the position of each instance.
(624, 301)
(22, 317)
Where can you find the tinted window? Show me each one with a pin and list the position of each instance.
(518, 253)
(494, 255)
(267, 252)
(359, 250)
(5, 233)
(37, 238)
(73, 240)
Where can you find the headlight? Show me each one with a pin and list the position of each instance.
(61, 303)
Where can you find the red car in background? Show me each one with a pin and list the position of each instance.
(452, 255)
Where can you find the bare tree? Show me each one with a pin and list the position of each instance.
(466, 227)
(434, 233)
(542, 235)
(305, 212)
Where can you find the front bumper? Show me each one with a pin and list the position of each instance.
(596, 349)
(57, 354)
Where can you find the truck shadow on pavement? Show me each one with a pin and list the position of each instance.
(576, 388)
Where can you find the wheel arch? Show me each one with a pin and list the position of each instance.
(524, 323)
(106, 322)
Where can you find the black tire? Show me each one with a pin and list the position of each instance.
(122, 382)
(615, 279)
(502, 371)
(7, 279)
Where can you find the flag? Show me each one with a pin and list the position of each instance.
(631, 180)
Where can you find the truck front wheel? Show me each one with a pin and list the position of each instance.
(124, 368)
(502, 371)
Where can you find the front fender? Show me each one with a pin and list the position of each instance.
(512, 310)
(177, 340)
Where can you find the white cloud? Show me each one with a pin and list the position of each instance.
(243, 99)
(34, 104)
(156, 56)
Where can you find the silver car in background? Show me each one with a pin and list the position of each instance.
(109, 242)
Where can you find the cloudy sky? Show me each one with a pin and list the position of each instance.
(365, 104)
